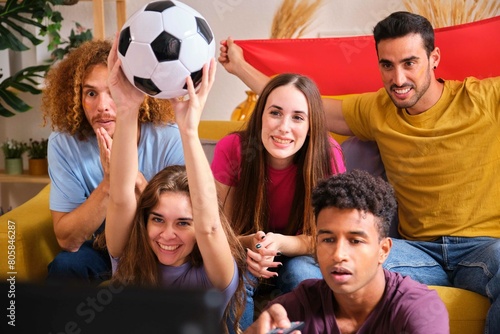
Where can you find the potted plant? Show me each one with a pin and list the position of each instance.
(37, 153)
(13, 151)
(16, 19)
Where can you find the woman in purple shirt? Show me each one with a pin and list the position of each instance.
(172, 235)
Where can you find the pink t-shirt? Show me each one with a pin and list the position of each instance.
(281, 185)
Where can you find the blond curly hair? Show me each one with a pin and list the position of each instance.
(62, 95)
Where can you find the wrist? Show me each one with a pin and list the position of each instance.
(131, 109)
(104, 185)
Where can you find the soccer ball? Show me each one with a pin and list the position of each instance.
(161, 44)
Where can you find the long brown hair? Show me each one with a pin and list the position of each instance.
(138, 264)
(313, 161)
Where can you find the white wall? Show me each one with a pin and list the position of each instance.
(237, 18)
(250, 19)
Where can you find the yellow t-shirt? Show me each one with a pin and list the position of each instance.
(444, 164)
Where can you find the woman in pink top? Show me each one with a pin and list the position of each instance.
(265, 175)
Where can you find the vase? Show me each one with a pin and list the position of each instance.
(38, 166)
(14, 166)
(243, 111)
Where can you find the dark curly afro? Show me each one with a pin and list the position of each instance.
(357, 190)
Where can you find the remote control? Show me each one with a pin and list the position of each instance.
(296, 325)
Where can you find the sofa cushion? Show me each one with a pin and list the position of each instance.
(35, 241)
(467, 310)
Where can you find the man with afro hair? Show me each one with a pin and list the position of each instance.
(353, 212)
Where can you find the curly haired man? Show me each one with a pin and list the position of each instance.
(78, 104)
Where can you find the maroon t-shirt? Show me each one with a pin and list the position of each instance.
(406, 307)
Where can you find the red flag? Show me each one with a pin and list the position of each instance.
(346, 65)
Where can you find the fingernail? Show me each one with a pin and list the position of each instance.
(280, 265)
(258, 246)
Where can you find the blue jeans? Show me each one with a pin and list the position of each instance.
(468, 263)
(87, 264)
(294, 270)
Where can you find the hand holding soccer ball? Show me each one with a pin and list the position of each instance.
(163, 43)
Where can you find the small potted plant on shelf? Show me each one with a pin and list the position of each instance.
(37, 152)
(13, 152)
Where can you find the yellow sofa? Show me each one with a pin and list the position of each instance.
(36, 245)
(34, 242)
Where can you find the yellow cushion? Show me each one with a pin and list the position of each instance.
(467, 310)
(35, 242)
(215, 130)
(339, 138)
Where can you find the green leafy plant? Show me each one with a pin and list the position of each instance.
(37, 149)
(14, 149)
(76, 38)
(14, 17)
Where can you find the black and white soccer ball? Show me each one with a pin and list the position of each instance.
(161, 44)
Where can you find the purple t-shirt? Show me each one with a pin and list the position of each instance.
(188, 277)
(406, 307)
(281, 185)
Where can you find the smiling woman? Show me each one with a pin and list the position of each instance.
(285, 125)
(271, 166)
(173, 235)
(170, 227)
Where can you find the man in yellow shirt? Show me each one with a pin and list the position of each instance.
(440, 144)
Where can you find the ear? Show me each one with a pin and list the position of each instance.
(435, 58)
(385, 249)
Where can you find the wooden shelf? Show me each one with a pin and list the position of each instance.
(23, 178)
(98, 7)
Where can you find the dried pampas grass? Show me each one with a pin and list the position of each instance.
(444, 13)
(293, 18)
